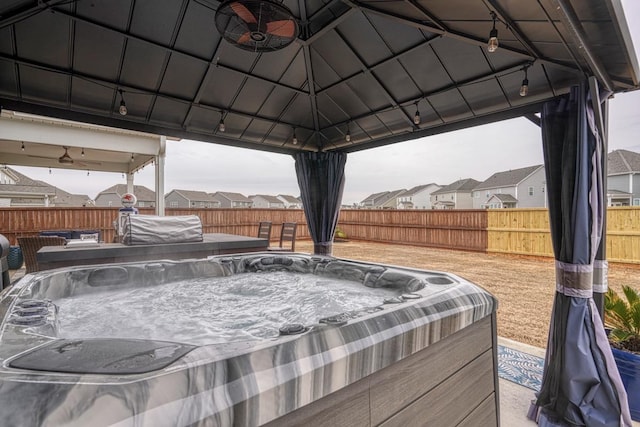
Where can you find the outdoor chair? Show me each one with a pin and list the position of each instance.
(31, 245)
(287, 238)
(264, 230)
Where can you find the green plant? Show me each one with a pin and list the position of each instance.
(622, 316)
(340, 234)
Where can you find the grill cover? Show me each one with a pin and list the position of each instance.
(150, 229)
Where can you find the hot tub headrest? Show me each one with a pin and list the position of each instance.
(150, 229)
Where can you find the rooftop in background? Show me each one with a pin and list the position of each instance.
(623, 162)
(362, 69)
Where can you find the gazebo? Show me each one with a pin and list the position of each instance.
(318, 79)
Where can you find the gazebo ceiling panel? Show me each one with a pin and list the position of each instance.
(272, 107)
(45, 39)
(182, 76)
(43, 86)
(97, 51)
(8, 83)
(425, 69)
(274, 70)
(197, 21)
(359, 62)
(335, 52)
(89, 96)
(295, 112)
(222, 87)
(114, 13)
(393, 77)
(252, 95)
(6, 41)
(142, 65)
(166, 111)
(157, 19)
(476, 96)
(451, 111)
(295, 74)
(461, 62)
(202, 120)
(364, 39)
(371, 95)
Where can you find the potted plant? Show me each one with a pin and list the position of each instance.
(622, 318)
(340, 236)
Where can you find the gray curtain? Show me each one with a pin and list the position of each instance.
(321, 181)
(581, 385)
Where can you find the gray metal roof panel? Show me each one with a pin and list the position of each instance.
(364, 63)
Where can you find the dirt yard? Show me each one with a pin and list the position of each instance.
(524, 286)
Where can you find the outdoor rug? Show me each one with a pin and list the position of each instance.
(520, 368)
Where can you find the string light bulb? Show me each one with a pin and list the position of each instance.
(295, 138)
(82, 154)
(221, 126)
(347, 137)
(493, 43)
(416, 116)
(524, 88)
(22, 148)
(123, 107)
(132, 157)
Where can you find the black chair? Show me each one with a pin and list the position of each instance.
(287, 238)
(264, 230)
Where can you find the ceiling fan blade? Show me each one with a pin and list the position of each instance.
(244, 13)
(245, 38)
(281, 28)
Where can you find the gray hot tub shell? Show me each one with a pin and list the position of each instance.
(430, 356)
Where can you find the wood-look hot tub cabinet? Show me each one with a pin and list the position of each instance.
(453, 382)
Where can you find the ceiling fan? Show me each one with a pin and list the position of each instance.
(66, 159)
(257, 26)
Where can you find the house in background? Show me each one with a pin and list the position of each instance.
(619, 198)
(64, 199)
(232, 200)
(623, 173)
(517, 188)
(190, 199)
(112, 196)
(372, 200)
(418, 197)
(17, 189)
(266, 201)
(382, 200)
(457, 195)
(390, 200)
(290, 202)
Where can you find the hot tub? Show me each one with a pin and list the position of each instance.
(249, 340)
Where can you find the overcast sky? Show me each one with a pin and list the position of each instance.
(472, 153)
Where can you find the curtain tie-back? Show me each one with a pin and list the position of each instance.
(574, 280)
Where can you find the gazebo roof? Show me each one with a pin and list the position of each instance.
(361, 68)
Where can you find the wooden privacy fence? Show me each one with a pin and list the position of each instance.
(527, 232)
(17, 222)
(461, 230)
(508, 231)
